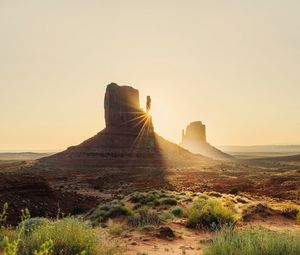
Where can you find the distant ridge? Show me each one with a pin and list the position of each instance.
(22, 155)
(263, 148)
(292, 158)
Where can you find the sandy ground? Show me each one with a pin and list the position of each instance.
(187, 241)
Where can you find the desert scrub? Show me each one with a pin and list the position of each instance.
(69, 236)
(254, 241)
(33, 223)
(108, 210)
(290, 213)
(154, 198)
(137, 197)
(290, 210)
(177, 212)
(214, 194)
(9, 233)
(3, 215)
(165, 216)
(168, 201)
(115, 228)
(209, 214)
(202, 196)
(144, 218)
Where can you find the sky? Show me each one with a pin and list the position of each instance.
(234, 65)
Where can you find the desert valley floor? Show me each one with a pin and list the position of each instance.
(262, 192)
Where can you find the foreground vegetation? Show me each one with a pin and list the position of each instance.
(254, 241)
(153, 211)
(40, 236)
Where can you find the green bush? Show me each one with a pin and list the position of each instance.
(33, 223)
(290, 213)
(108, 210)
(115, 228)
(167, 216)
(9, 233)
(154, 198)
(3, 229)
(138, 197)
(203, 196)
(146, 198)
(69, 236)
(254, 241)
(209, 214)
(3, 215)
(168, 201)
(214, 194)
(177, 211)
(144, 218)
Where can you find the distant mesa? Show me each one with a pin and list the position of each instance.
(128, 138)
(194, 139)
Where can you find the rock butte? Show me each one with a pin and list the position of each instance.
(194, 139)
(128, 138)
(122, 109)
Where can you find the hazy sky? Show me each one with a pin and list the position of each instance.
(235, 65)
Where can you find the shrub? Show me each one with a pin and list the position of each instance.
(137, 197)
(229, 204)
(153, 198)
(177, 211)
(254, 241)
(33, 223)
(3, 215)
(167, 216)
(114, 228)
(117, 211)
(290, 213)
(214, 194)
(185, 198)
(203, 196)
(242, 200)
(137, 206)
(69, 236)
(168, 201)
(108, 210)
(9, 233)
(144, 218)
(257, 209)
(298, 218)
(209, 214)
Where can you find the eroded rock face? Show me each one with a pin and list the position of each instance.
(120, 104)
(122, 108)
